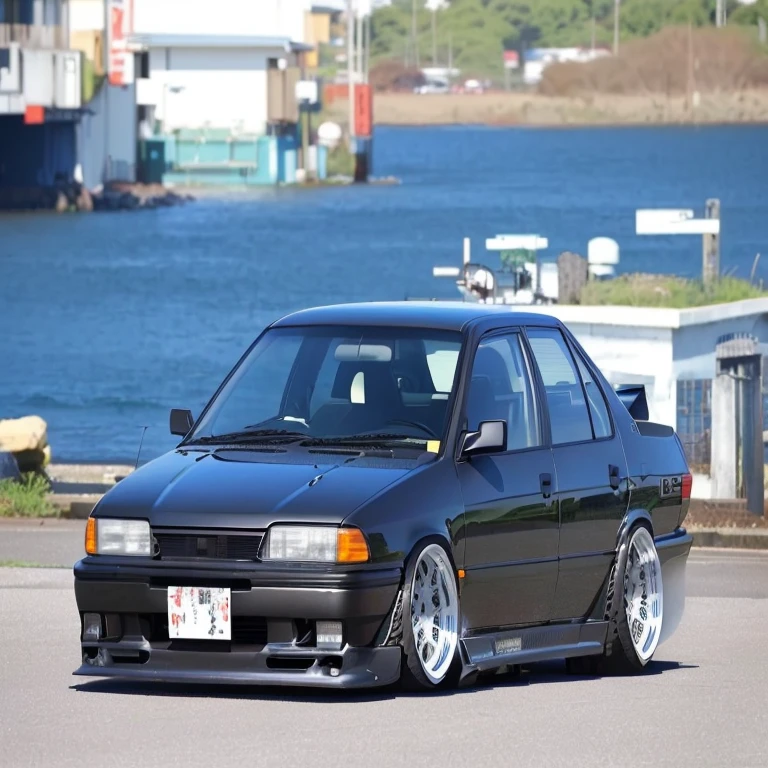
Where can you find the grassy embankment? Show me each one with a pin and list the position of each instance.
(28, 498)
(644, 290)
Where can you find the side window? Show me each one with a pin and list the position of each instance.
(601, 422)
(500, 388)
(568, 412)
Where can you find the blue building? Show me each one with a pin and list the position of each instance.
(40, 98)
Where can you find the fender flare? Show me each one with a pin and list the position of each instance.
(391, 629)
(612, 606)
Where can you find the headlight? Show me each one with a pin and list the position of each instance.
(316, 543)
(104, 536)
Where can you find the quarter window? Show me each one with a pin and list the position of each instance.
(500, 389)
(568, 414)
(598, 410)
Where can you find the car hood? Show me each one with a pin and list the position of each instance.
(246, 489)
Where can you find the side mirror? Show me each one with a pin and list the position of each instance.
(181, 421)
(491, 437)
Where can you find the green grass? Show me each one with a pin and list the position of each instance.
(666, 291)
(341, 161)
(26, 564)
(28, 498)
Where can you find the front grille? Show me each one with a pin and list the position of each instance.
(206, 545)
(246, 630)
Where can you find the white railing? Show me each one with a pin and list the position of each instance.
(34, 36)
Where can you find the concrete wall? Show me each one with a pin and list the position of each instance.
(107, 138)
(224, 17)
(221, 87)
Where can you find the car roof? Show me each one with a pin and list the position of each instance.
(439, 315)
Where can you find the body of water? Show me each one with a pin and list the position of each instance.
(110, 319)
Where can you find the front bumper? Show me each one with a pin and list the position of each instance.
(273, 609)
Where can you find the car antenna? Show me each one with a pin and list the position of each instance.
(141, 442)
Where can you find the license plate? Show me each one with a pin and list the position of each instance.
(199, 613)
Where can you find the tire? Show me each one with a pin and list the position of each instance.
(430, 602)
(634, 606)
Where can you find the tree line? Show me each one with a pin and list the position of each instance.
(473, 34)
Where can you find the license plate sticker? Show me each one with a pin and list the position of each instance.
(199, 613)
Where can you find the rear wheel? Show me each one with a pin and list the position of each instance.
(634, 633)
(431, 621)
(634, 626)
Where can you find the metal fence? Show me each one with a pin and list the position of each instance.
(694, 421)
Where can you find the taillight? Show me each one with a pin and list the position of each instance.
(687, 482)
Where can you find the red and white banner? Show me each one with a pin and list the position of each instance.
(120, 70)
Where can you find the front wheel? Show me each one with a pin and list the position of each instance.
(431, 621)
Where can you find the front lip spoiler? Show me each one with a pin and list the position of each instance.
(359, 667)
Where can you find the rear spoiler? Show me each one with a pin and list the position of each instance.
(635, 401)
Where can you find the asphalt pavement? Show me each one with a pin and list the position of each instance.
(702, 702)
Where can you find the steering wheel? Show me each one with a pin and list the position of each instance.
(417, 424)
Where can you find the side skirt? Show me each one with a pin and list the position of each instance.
(524, 646)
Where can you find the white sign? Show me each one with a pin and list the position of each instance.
(673, 222)
(514, 242)
(306, 90)
(445, 271)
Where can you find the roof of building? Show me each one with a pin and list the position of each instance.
(654, 317)
(218, 41)
(442, 315)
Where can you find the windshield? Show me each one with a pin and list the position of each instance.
(330, 383)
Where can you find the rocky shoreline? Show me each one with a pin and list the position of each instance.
(74, 197)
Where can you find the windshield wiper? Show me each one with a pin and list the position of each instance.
(251, 436)
(372, 438)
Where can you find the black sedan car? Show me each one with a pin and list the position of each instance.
(396, 492)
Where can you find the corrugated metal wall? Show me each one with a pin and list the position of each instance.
(107, 137)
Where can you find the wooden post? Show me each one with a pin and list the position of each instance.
(572, 273)
(710, 271)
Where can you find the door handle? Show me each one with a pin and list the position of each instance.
(613, 476)
(546, 484)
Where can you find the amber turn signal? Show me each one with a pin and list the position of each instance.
(90, 536)
(351, 546)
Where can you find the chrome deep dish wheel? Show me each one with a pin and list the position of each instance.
(643, 594)
(434, 613)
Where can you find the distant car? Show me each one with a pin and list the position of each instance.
(413, 492)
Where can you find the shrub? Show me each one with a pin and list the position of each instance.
(722, 59)
(28, 498)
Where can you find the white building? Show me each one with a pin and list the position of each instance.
(671, 352)
(208, 61)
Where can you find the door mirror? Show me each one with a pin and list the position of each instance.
(491, 437)
(181, 421)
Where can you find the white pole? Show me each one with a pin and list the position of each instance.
(359, 45)
(350, 65)
(467, 251)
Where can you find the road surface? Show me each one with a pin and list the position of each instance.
(704, 702)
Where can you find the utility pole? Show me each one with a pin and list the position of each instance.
(721, 13)
(434, 37)
(415, 33)
(616, 21)
(359, 43)
(594, 31)
(450, 57)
